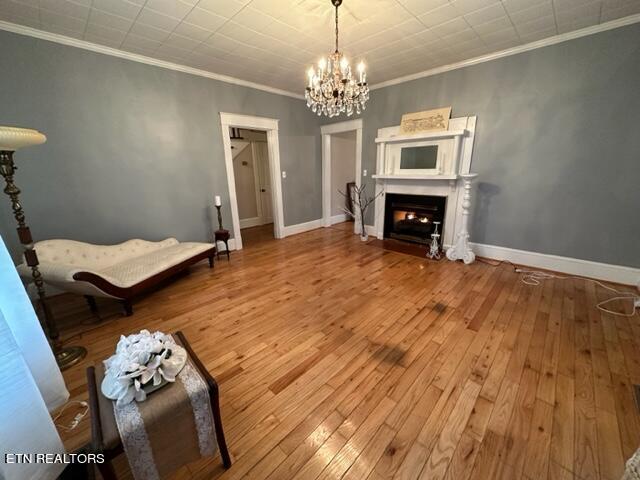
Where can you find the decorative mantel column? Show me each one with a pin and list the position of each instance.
(461, 249)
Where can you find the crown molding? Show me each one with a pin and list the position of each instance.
(620, 22)
(114, 52)
(73, 42)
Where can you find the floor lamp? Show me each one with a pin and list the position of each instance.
(12, 139)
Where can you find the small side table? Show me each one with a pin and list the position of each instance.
(223, 236)
(105, 437)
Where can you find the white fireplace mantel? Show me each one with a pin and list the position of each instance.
(416, 177)
(419, 136)
(447, 183)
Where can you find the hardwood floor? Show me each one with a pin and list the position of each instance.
(338, 359)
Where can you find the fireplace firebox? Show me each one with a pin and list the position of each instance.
(411, 217)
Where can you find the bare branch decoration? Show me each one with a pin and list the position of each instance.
(361, 203)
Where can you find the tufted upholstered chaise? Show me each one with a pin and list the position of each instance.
(114, 271)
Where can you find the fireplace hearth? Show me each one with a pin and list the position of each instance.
(411, 217)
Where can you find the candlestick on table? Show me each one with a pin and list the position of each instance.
(218, 207)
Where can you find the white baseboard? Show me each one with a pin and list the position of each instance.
(567, 265)
(572, 266)
(250, 222)
(341, 217)
(302, 227)
(371, 230)
(232, 245)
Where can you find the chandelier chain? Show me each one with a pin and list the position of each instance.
(337, 49)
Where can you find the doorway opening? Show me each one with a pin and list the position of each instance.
(252, 159)
(253, 183)
(341, 164)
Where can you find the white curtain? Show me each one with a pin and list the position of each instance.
(30, 381)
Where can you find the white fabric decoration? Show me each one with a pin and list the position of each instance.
(30, 382)
(143, 362)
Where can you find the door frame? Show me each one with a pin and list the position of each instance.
(326, 132)
(270, 125)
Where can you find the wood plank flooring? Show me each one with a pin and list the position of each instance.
(338, 359)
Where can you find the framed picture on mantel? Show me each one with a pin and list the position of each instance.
(427, 121)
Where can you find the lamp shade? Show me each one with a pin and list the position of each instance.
(13, 138)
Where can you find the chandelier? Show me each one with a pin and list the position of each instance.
(332, 89)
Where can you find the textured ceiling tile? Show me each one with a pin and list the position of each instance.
(222, 42)
(516, 5)
(29, 3)
(538, 35)
(157, 20)
(465, 36)
(493, 26)
(109, 20)
(226, 8)
(617, 12)
(562, 5)
(468, 6)
(501, 36)
(578, 24)
(65, 7)
(254, 19)
(71, 24)
(140, 42)
(486, 14)
(542, 23)
(449, 28)
(170, 8)
(439, 15)
(179, 41)
(122, 8)
(100, 31)
(536, 11)
(418, 7)
(152, 33)
(205, 19)
(9, 8)
(193, 31)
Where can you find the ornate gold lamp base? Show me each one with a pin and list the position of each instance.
(69, 356)
(10, 140)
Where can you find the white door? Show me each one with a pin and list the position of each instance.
(264, 178)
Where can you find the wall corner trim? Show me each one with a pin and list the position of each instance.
(114, 52)
(563, 37)
(73, 42)
(302, 227)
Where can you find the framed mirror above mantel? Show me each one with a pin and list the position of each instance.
(428, 154)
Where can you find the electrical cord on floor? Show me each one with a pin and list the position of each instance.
(536, 277)
(76, 420)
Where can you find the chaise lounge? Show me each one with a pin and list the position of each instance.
(119, 271)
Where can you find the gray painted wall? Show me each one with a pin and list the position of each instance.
(135, 150)
(557, 146)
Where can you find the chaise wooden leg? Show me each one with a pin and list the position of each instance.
(128, 308)
(91, 301)
(211, 261)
